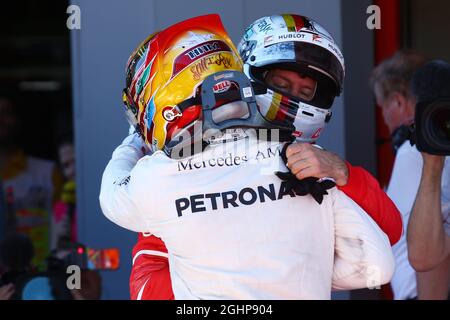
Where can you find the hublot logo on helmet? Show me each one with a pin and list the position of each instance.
(291, 35)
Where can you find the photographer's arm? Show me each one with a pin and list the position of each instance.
(428, 244)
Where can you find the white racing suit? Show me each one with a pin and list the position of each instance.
(232, 229)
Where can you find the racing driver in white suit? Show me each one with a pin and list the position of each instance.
(199, 174)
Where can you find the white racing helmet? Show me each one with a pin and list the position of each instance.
(300, 44)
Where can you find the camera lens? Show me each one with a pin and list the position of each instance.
(441, 123)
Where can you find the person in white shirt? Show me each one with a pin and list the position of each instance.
(391, 82)
(429, 225)
(233, 229)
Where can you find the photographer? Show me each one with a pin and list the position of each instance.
(429, 225)
(70, 254)
(391, 83)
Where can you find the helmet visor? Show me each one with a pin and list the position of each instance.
(291, 83)
(302, 57)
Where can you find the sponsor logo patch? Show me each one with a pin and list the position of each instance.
(170, 113)
(222, 86)
(198, 52)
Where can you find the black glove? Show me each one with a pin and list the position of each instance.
(305, 186)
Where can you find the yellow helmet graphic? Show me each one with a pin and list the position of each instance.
(168, 68)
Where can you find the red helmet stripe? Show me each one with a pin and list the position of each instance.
(299, 22)
(283, 109)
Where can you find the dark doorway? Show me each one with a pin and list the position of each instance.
(35, 69)
(426, 27)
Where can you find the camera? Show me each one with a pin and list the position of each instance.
(432, 127)
(73, 254)
(52, 283)
(431, 87)
(84, 257)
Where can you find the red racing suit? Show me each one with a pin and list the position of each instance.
(150, 278)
